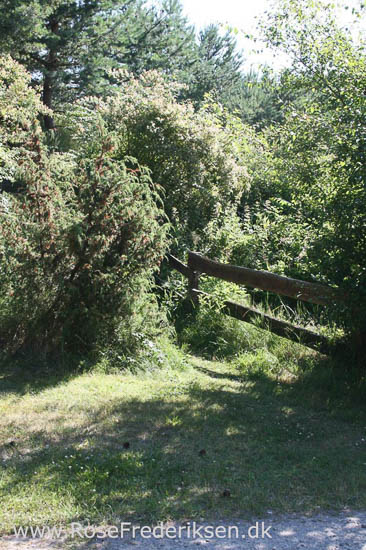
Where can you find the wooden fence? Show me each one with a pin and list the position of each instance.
(285, 286)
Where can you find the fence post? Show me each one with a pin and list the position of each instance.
(193, 284)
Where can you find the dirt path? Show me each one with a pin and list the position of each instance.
(346, 531)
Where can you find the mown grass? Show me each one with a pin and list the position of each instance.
(273, 439)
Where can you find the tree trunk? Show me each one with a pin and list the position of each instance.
(47, 100)
(51, 67)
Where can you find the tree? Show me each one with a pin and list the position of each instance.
(168, 46)
(216, 67)
(313, 216)
(79, 244)
(20, 109)
(193, 155)
(256, 99)
(69, 45)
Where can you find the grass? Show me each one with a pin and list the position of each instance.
(270, 438)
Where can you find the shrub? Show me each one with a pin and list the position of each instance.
(257, 363)
(79, 242)
(209, 331)
(20, 108)
(317, 159)
(196, 157)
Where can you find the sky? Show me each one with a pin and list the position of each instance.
(243, 15)
(240, 14)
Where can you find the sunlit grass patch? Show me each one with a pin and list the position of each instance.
(102, 447)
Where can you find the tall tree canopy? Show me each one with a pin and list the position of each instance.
(216, 66)
(69, 45)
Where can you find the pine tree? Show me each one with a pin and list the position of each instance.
(166, 42)
(257, 99)
(216, 67)
(69, 45)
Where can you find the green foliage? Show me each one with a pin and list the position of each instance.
(259, 363)
(164, 41)
(194, 156)
(68, 45)
(20, 108)
(216, 66)
(289, 198)
(212, 334)
(208, 331)
(256, 99)
(305, 215)
(150, 353)
(78, 244)
(322, 146)
(216, 70)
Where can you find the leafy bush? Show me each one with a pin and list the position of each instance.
(305, 213)
(152, 352)
(214, 335)
(79, 241)
(209, 331)
(20, 108)
(196, 157)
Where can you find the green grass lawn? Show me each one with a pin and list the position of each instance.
(273, 444)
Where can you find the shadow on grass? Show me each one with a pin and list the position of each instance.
(219, 375)
(324, 385)
(268, 450)
(19, 377)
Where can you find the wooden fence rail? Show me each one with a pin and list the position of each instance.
(293, 288)
(277, 326)
(264, 280)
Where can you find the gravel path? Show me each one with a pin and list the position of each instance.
(346, 531)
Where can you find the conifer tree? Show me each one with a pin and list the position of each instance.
(69, 45)
(216, 67)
